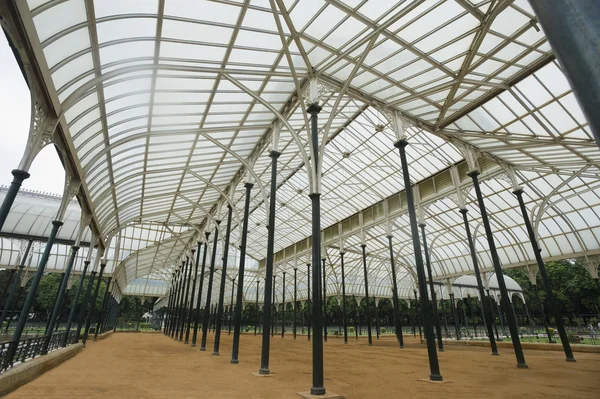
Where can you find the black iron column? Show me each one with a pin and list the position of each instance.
(436, 315)
(93, 303)
(463, 307)
(318, 387)
(11, 194)
(84, 305)
(58, 304)
(102, 309)
(454, 315)
(367, 301)
(16, 283)
(231, 307)
(514, 333)
(376, 317)
(7, 286)
(545, 320)
(572, 29)
(444, 312)
(308, 302)
(396, 302)
(267, 300)
(190, 316)
(344, 318)
(324, 301)
(184, 299)
(545, 279)
(283, 313)
(222, 286)
(273, 310)
(257, 308)
(434, 366)
(240, 289)
(199, 300)
(24, 316)
(295, 298)
(169, 310)
(176, 295)
(207, 306)
(487, 312)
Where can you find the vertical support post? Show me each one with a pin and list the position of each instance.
(13, 190)
(295, 298)
(344, 317)
(8, 284)
(545, 278)
(199, 301)
(184, 299)
(273, 309)
(487, 312)
(454, 315)
(58, 304)
(367, 300)
(169, 312)
(318, 387)
(308, 302)
(231, 307)
(93, 302)
(571, 27)
(434, 366)
(444, 312)
(207, 307)
(16, 283)
(24, 316)
(377, 318)
(102, 309)
(267, 300)
(541, 306)
(395, 300)
(219, 321)
(257, 309)
(324, 299)
(436, 315)
(283, 312)
(190, 316)
(514, 333)
(177, 301)
(84, 304)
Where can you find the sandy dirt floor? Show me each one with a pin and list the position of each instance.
(150, 365)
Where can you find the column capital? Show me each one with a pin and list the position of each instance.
(314, 109)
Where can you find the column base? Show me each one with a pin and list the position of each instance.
(193, 345)
(202, 349)
(441, 350)
(522, 366)
(434, 381)
(234, 361)
(216, 354)
(329, 395)
(570, 360)
(262, 374)
(495, 354)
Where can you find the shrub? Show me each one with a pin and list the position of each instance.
(382, 330)
(350, 330)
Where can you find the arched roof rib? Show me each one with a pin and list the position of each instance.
(147, 108)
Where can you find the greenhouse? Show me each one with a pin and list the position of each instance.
(400, 188)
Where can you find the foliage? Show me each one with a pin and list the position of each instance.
(574, 289)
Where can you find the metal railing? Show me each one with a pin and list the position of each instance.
(29, 348)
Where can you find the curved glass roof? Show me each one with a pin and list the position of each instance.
(167, 105)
